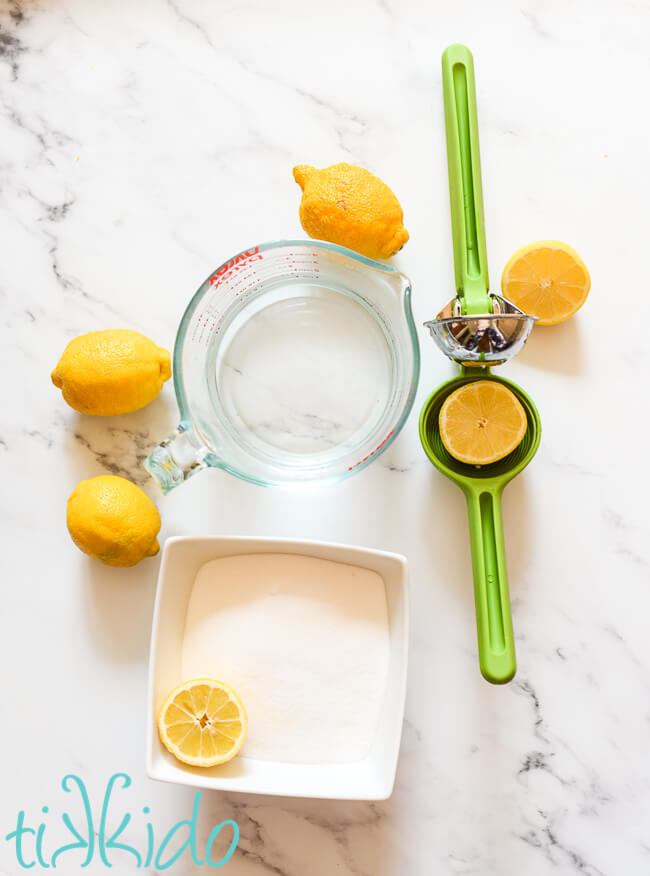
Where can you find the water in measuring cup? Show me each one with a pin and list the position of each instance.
(303, 371)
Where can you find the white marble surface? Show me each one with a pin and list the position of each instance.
(143, 142)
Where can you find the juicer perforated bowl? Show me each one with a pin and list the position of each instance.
(461, 472)
(295, 362)
(483, 486)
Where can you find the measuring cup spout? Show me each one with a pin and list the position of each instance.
(178, 457)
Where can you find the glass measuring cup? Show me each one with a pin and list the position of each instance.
(296, 361)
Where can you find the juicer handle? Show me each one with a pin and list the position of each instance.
(496, 644)
(465, 190)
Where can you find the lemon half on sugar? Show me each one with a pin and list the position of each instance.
(203, 722)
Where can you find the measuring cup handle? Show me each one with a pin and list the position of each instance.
(465, 190)
(178, 457)
(496, 645)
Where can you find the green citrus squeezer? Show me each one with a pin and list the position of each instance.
(477, 329)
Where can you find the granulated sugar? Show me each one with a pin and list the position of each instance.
(305, 644)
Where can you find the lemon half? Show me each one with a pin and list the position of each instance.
(547, 279)
(482, 422)
(203, 722)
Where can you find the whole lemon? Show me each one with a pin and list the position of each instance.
(112, 520)
(348, 205)
(110, 372)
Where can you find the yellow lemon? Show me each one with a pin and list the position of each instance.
(482, 422)
(110, 372)
(203, 722)
(547, 279)
(348, 205)
(112, 520)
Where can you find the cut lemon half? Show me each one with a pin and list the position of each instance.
(547, 279)
(203, 722)
(482, 422)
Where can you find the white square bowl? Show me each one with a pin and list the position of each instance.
(369, 779)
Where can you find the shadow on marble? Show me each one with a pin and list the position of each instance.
(557, 348)
(444, 535)
(119, 608)
(291, 836)
(518, 531)
(118, 445)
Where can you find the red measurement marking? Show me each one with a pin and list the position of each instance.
(372, 453)
(241, 260)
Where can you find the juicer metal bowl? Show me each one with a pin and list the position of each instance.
(484, 339)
